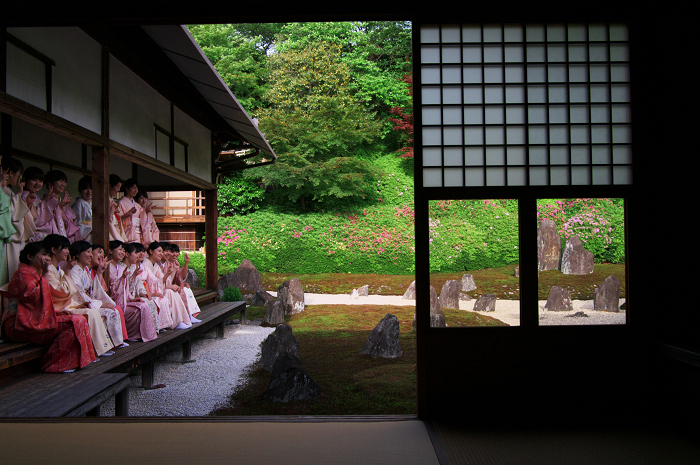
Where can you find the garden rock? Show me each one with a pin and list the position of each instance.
(292, 382)
(261, 298)
(246, 278)
(292, 295)
(576, 260)
(516, 272)
(223, 283)
(548, 246)
(437, 316)
(383, 342)
(449, 295)
(467, 283)
(464, 296)
(363, 291)
(559, 300)
(486, 303)
(279, 342)
(354, 294)
(607, 297)
(192, 279)
(577, 315)
(410, 292)
(274, 312)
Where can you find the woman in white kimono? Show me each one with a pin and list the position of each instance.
(80, 261)
(156, 283)
(83, 208)
(40, 217)
(66, 297)
(176, 277)
(22, 219)
(133, 259)
(130, 212)
(116, 231)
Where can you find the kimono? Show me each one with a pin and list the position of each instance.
(84, 283)
(7, 230)
(170, 299)
(34, 319)
(185, 292)
(101, 293)
(116, 231)
(41, 217)
(141, 314)
(83, 218)
(66, 297)
(23, 223)
(131, 224)
(63, 222)
(149, 228)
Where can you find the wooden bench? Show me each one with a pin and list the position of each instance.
(142, 354)
(82, 392)
(61, 395)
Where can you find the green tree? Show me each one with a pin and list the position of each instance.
(316, 126)
(237, 58)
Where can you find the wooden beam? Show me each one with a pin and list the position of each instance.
(100, 196)
(210, 234)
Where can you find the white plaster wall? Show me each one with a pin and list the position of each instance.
(76, 78)
(199, 139)
(134, 107)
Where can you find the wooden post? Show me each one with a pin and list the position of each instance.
(187, 351)
(100, 196)
(121, 403)
(210, 232)
(147, 375)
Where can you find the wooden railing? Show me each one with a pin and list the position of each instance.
(177, 206)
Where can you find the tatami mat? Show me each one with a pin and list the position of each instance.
(307, 442)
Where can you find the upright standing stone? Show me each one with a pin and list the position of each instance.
(559, 300)
(363, 291)
(292, 295)
(261, 298)
(410, 292)
(607, 297)
(449, 295)
(486, 303)
(289, 381)
(246, 278)
(274, 312)
(384, 340)
(548, 246)
(576, 260)
(437, 316)
(192, 279)
(467, 283)
(280, 341)
(223, 283)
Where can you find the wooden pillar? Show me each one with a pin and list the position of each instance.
(210, 233)
(100, 196)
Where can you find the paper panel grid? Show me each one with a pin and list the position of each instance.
(525, 104)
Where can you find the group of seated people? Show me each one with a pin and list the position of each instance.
(81, 300)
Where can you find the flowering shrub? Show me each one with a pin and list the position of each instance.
(598, 222)
(472, 234)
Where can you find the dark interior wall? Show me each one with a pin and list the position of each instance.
(551, 374)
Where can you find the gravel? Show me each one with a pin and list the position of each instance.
(198, 388)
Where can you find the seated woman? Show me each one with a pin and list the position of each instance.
(149, 228)
(67, 297)
(157, 284)
(140, 312)
(100, 291)
(83, 208)
(177, 276)
(80, 259)
(165, 319)
(33, 318)
(58, 202)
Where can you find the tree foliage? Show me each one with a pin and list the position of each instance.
(315, 125)
(404, 122)
(237, 58)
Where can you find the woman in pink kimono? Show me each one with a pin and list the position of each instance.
(176, 276)
(130, 212)
(141, 316)
(116, 231)
(149, 228)
(156, 283)
(41, 217)
(80, 258)
(58, 202)
(137, 287)
(22, 219)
